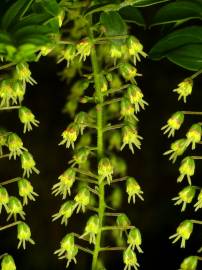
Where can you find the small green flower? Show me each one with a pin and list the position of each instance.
(135, 48)
(115, 140)
(105, 170)
(66, 244)
(103, 84)
(4, 198)
(130, 259)
(70, 135)
(82, 199)
(133, 189)
(70, 256)
(26, 190)
(8, 263)
(128, 72)
(24, 234)
(184, 89)
(81, 120)
(198, 204)
(80, 156)
(65, 212)
(119, 164)
(63, 187)
(177, 149)
(174, 123)
(185, 196)
(23, 73)
(84, 48)
(28, 164)
(127, 109)
(3, 139)
(68, 54)
(194, 135)
(19, 89)
(15, 145)
(187, 168)
(92, 228)
(184, 231)
(189, 263)
(116, 197)
(135, 239)
(7, 93)
(123, 221)
(27, 118)
(135, 96)
(130, 137)
(115, 51)
(15, 208)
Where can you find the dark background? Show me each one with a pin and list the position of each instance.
(157, 217)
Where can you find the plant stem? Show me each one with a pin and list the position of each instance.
(9, 225)
(111, 228)
(196, 74)
(112, 248)
(196, 221)
(1, 256)
(10, 108)
(9, 181)
(100, 149)
(84, 249)
(4, 156)
(192, 113)
(196, 157)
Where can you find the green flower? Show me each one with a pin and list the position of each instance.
(135, 239)
(115, 51)
(177, 149)
(7, 93)
(194, 135)
(23, 73)
(130, 137)
(24, 234)
(133, 189)
(184, 89)
(26, 190)
(187, 168)
(65, 212)
(105, 170)
(68, 54)
(28, 164)
(70, 135)
(19, 89)
(82, 199)
(127, 109)
(27, 118)
(15, 208)
(66, 244)
(80, 156)
(81, 120)
(71, 256)
(123, 221)
(92, 228)
(84, 48)
(128, 72)
(184, 231)
(3, 139)
(4, 198)
(189, 263)
(135, 48)
(15, 145)
(198, 204)
(185, 196)
(8, 263)
(63, 187)
(174, 123)
(130, 259)
(135, 96)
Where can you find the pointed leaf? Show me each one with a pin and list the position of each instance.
(132, 15)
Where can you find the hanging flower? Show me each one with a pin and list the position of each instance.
(84, 48)
(130, 137)
(26, 190)
(128, 72)
(135, 239)
(189, 263)
(24, 235)
(184, 89)
(23, 73)
(135, 48)
(66, 244)
(82, 199)
(27, 118)
(187, 168)
(65, 212)
(4, 198)
(133, 189)
(8, 263)
(136, 97)
(92, 228)
(185, 196)
(15, 145)
(130, 259)
(70, 135)
(7, 93)
(177, 149)
(194, 135)
(28, 164)
(174, 123)
(15, 208)
(105, 170)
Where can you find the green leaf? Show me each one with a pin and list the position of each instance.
(51, 7)
(113, 24)
(132, 15)
(14, 12)
(31, 30)
(178, 38)
(177, 12)
(188, 56)
(145, 3)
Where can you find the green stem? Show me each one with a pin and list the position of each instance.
(196, 157)
(4, 156)
(196, 74)
(100, 150)
(112, 248)
(111, 228)
(1, 256)
(196, 221)
(84, 249)
(10, 181)
(6, 66)
(10, 108)
(192, 113)
(9, 225)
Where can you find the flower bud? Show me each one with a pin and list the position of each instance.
(187, 168)
(185, 196)
(130, 259)
(135, 96)
(66, 211)
(84, 48)
(135, 48)
(103, 84)
(130, 137)
(28, 164)
(177, 149)
(4, 198)
(67, 180)
(174, 123)
(184, 89)
(189, 263)
(81, 156)
(92, 228)
(7, 94)
(81, 120)
(133, 189)
(115, 51)
(19, 89)
(105, 170)
(66, 244)
(24, 234)
(23, 73)
(127, 109)
(27, 118)
(194, 135)
(128, 72)
(82, 199)
(135, 239)
(123, 221)
(70, 135)
(69, 54)
(8, 263)
(15, 145)
(184, 231)
(15, 208)
(26, 190)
